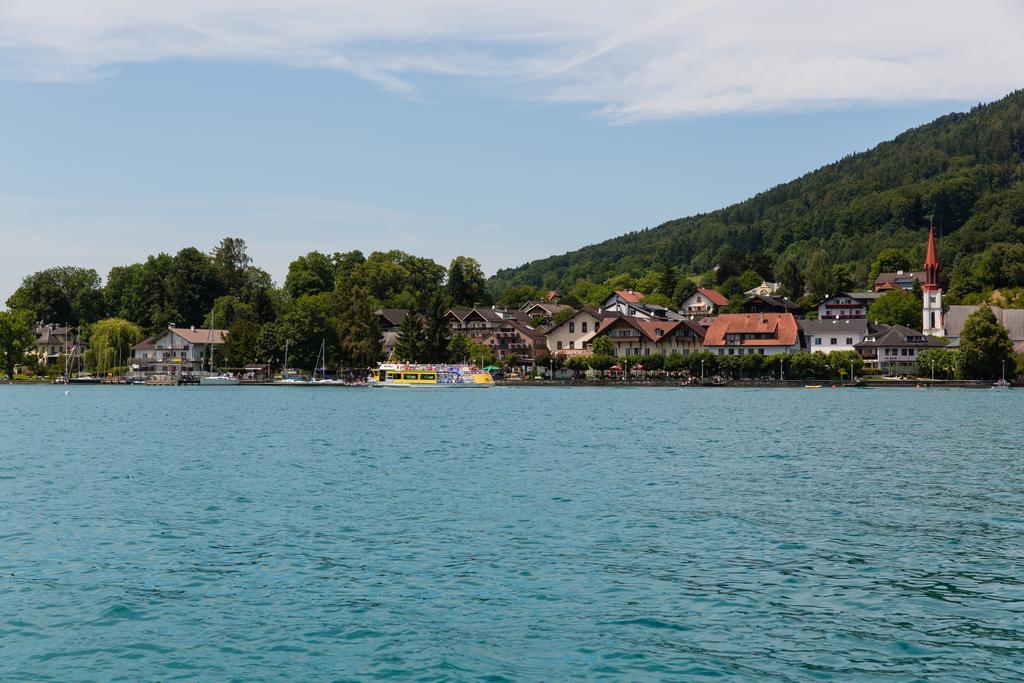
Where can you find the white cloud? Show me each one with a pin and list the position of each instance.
(631, 60)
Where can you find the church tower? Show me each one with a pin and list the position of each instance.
(932, 293)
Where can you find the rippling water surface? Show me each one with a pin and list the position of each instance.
(152, 533)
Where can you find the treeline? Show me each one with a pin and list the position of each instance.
(828, 228)
(327, 299)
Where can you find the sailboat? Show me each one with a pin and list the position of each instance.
(1002, 383)
(79, 378)
(222, 379)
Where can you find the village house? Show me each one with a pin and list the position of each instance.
(765, 289)
(738, 334)
(770, 304)
(573, 337)
(477, 323)
(847, 305)
(631, 304)
(514, 338)
(898, 280)
(644, 337)
(54, 341)
(176, 351)
(542, 309)
(389, 320)
(703, 302)
(833, 334)
(894, 348)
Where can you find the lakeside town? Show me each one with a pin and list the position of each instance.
(629, 336)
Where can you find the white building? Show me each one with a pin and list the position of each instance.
(833, 334)
(177, 351)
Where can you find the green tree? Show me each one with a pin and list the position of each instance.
(270, 345)
(669, 282)
(359, 331)
(467, 285)
(110, 343)
(16, 338)
(896, 307)
(985, 346)
(790, 276)
(125, 294)
(227, 310)
(231, 264)
(61, 295)
(242, 344)
(310, 274)
(943, 363)
(409, 346)
(192, 286)
(840, 363)
(437, 331)
(308, 323)
(603, 346)
(459, 349)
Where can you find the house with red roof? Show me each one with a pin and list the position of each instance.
(738, 334)
(514, 338)
(703, 302)
(645, 337)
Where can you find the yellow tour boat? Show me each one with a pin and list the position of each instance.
(440, 376)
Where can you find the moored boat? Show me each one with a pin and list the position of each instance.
(430, 376)
(222, 380)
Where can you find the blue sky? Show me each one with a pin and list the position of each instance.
(503, 148)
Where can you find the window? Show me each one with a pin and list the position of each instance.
(572, 344)
(428, 376)
(699, 300)
(849, 341)
(832, 341)
(817, 341)
(658, 332)
(572, 328)
(903, 352)
(583, 327)
(559, 346)
(410, 375)
(761, 351)
(647, 352)
(596, 326)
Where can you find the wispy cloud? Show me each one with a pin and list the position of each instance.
(632, 60)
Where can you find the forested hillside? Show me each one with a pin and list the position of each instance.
(964, 171)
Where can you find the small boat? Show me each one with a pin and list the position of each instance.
(86, 379)
(812, 386)
(221, 380)
(409, 375)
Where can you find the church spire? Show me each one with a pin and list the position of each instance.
(931, 262)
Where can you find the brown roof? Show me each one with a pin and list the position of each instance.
(781, 326)
(649, 328)
(892, 278)
(145, 344)
(199, 335)
(715, 297)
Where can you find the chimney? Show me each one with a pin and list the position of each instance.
(193, 328)
(170, 326)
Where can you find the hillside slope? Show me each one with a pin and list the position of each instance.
(964, 170)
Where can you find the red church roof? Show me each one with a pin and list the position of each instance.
(931, 262)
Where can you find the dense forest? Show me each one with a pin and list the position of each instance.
(828, 228)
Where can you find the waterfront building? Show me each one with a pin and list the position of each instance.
(514, 338)
(573, 337)
(847, 305)
(632, 336)
(931, 292)
(176, 351)
(703, 302)
(894, 349)
(738, 334)
(477, 323)
(834, 334)
(54, 341)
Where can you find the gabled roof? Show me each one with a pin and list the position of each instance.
(893, 278)
(898, 335)
(863, 297)
(781, 326)
(714, 296)
(649, 328)
(198, 335)
(549, 309)
(629, 295)
(145, 345)
(774, 301)
(831, 325)
(394, 316)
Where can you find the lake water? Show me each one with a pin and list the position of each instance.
(151, 533)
